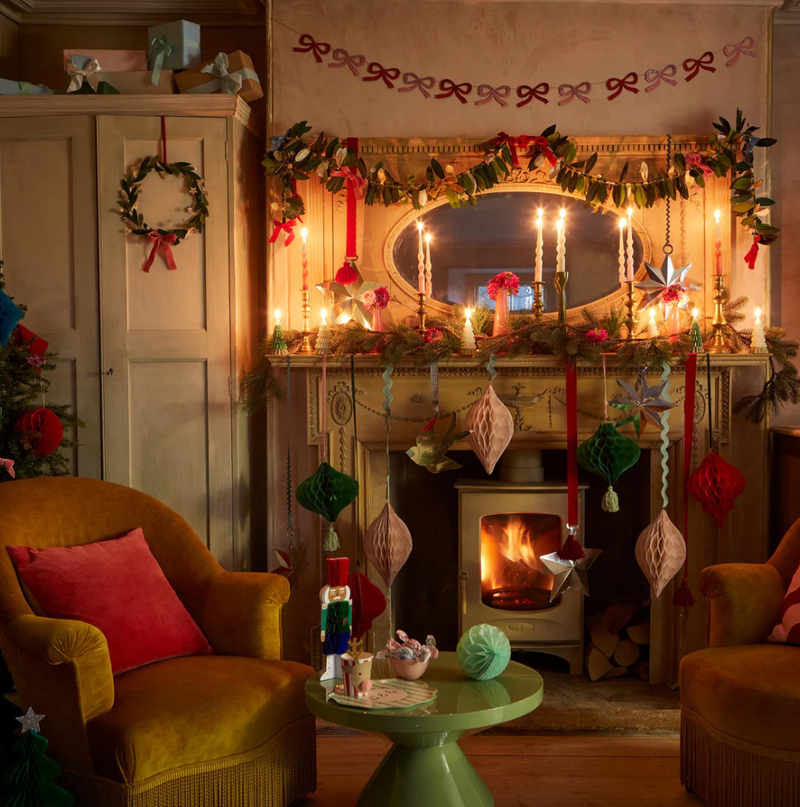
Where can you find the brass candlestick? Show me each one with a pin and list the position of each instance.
(306, 347)
(717, 343)
(538, 298)
(560, 281)
(422, 311)
(630, 318)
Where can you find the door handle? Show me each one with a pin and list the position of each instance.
(110, 371)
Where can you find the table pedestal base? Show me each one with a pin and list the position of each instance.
(434, 776)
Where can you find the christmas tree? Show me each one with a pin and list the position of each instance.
(29, 779)
(31, 430)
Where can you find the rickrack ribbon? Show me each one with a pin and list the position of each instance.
(529, 93)
(309, 45)
(78, 74)
(738, 49)
(694, 160)
(449, 88)
(343, 58)
(655, 77)
(694, 66)
(354, 180)
(161, 243)
(283, 226)
(378, 71)
(489, 93)
(570, 91)
(616, 85)
(415, 82)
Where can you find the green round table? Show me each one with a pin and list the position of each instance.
(425, 767)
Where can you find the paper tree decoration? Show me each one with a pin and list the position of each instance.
(41, 431)
(660, 552)
(664, 280)
(716, 484)
(644, 403)
(608, 454)
(491, 426)
(348, 300)
(483, 652)
(368, 603)
(327, 492)
(430, 450)
(387, 544)
(569, 573)
(10, 315)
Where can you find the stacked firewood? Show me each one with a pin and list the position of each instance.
(618, 643)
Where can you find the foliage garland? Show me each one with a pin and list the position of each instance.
(292, 159)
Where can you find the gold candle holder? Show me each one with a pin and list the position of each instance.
(630, 317)
(538, 298)
(560, 281)
(717, 343)
(306, 347)
(422, 311)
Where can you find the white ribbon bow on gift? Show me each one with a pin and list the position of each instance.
(78, 74)
(227, 82)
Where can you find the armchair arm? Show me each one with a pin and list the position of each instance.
(744, 600)
(242, 614)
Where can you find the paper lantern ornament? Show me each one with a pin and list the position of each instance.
(387, 544)
(10, 315)
(41, 431)
(660, 552)
(491, 426)
(327, 492)
(716, 484)
(368, 603)
(483, 652)
(608, 454)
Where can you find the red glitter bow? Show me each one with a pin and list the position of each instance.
(161, 243)
(378, 71)
(694, 66)
(310, 45)
(616, 85)
(449, 88)
(415, 82)
(355, 180)
(285, 226)
(343, 58)
(523, 142)
(529, 93)
(489, 93)
(655, 77)
(752, 253)
(695, 160)
(738, 49)
(579, 91)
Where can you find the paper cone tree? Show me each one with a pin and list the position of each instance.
(660, 552)
(491, 426)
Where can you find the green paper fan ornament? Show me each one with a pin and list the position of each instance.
(327, 492)
(483, 652)
(608, 454)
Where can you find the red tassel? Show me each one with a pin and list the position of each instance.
(346, 274)
(683, 596)
(571, 550)
(752, 253)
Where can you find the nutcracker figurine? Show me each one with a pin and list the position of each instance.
(337, 617)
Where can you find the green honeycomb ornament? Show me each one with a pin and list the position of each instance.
(327, 492)
(483, 652)
(608, 454)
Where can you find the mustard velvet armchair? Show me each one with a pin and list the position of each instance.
(740, 698)
(226, 730)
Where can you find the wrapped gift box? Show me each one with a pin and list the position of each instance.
(139, 82)
(229, 73)
(115, 61)
(178, 41)
(8, 87)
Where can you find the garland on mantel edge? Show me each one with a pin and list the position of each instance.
(292, 159)
(569, 343)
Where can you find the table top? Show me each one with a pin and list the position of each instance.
(461, 703)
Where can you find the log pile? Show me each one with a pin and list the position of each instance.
(619, 637)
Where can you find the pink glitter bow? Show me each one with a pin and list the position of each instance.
(356, 181)
(695, 160)
(449, 88)
(489, 93)
(570, 91)
(310, 45)
(344, 58)
(694, 66)
(9, 466)
(415, 82)
(616, 85)
(529, 93)
(738, 49)
(378, 71)
(655, 77)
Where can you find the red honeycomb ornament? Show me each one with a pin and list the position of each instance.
(41, 431)
(716, 484)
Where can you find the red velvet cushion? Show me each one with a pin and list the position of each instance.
(118, 587)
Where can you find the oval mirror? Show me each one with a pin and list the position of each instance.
(471, 245)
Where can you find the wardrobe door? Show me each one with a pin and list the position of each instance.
(166, 334)
(48, 241)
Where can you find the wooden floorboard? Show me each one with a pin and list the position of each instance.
(533, 770)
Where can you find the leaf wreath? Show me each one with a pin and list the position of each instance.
(130, 191)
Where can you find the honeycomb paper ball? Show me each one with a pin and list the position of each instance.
(484, 652)
(608, 453)
(327, 492)
(41, 430)
(716, 484)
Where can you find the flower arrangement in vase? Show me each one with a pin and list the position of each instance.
(500, 288)
(408, 657)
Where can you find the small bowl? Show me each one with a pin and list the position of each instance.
(409, 669)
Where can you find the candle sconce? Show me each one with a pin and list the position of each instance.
(538, 298)
(717, 343)
(422, 311)
(630, 317)
(305, 308)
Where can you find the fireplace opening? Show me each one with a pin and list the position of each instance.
(513, 578)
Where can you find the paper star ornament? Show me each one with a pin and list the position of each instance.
(644, 401)
(661, 279)
(569, 574)
(30, 721)
(348, 301)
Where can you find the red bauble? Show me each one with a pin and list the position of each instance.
(716, 484)
(42, 431)
(368, 603)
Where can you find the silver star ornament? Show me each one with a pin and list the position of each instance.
(30, 721)
(348, 301)
(570, 574)
(644, 403)
(660, 279)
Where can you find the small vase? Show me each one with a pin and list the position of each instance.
(377, 319)
(409, 669)
(501, 323)
(673, 322)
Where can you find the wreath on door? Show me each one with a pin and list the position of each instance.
(162, 239)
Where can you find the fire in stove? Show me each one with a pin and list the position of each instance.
(512, 576)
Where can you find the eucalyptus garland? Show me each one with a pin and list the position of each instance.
(290, 158)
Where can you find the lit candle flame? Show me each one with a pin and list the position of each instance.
(468, 313)
(758, 315)
(695, 312)
(428, 237)
(304, 233)
(277, 315)
(419, 225)
(562, 214)
(324, 314)
(539, 216)
(653, 314)
(630, 212)
(717, 214)
(622, 224)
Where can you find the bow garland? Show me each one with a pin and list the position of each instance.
(290, 158)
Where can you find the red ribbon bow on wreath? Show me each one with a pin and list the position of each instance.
(415, 82)
(489, 93)
(695, 160)
(310, 45)
(343, 58)
(752, 253)
(529, 93)
(616, 85)
(356, 182)
(449, 88)
(523, 142)
(378, 71)
(655, 77)
(285, 226)
(694, 66)
(163, 244)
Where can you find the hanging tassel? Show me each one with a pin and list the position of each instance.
(752, 253)
(571, 550)
(610, 501)
(331, 542)
(683, 596)
(346, 274)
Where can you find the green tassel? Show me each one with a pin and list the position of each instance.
(331, 542)
(610, 501)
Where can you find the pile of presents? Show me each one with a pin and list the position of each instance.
(171, 64)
